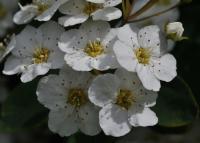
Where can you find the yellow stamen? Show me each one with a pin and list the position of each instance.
(143, 55)
(77, 97)
(91, 7)
(94, 48)
(125, 99)
(42, 6)
(40, 55)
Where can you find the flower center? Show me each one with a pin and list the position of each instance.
(40, 55)
(143, 55)
(94, 48)
(77, 97)
(164, 2)
(125, 98)
(42, 6)
(91, 7)
(3, 11)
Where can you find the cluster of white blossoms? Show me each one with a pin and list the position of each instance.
(108, 77)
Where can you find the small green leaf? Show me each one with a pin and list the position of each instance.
(176, 105)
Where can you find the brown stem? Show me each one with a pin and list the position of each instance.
(143, 9)
(130, 10)
(156, 14)
(132, 4)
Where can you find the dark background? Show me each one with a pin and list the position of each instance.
(187, 52)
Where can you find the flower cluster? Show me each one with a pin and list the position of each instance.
(109, 74)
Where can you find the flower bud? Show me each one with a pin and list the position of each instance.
(175, 31)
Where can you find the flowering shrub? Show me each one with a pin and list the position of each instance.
(97, 65)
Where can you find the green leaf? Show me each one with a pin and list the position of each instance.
(21, 109)
(176, 105)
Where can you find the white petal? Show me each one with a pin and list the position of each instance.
(51, 92)
(145, 97)
(14, 65)
(148, 78)
(63, 122)
(89, 122)
(129, 80)
(128, 34)
(68, 40)
(26, 14)
(110, 37)
(165, 68)
(26, 41)
(103, 89)
(96, 1)
(46, 15)
(73, 7)
(107, 14)
(73, 41)
(56, 58)
(72, 20)
(149, 37)
(143, 118)
(78, 62)
(75, 78)
(105, 62)
(111, 3)
(32, 71)
(125, 56)
(96, 30)
(51, 32)
(114, 120)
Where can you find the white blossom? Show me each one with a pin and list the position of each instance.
(78, 11)
(67, 98)
(89, 47)
(141, 52)
(160, 20)
(41, 10)
(36, 52)
(124, 102)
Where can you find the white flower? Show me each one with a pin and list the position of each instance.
(66, 97)
(90, 47)
(159, 20)
(36, 52)
(141, 53)
(7, 8)
(6, 48)
(175, 31)
(41, 10)
(124, 101)
(78, 11)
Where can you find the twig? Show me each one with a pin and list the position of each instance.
(143, 9)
